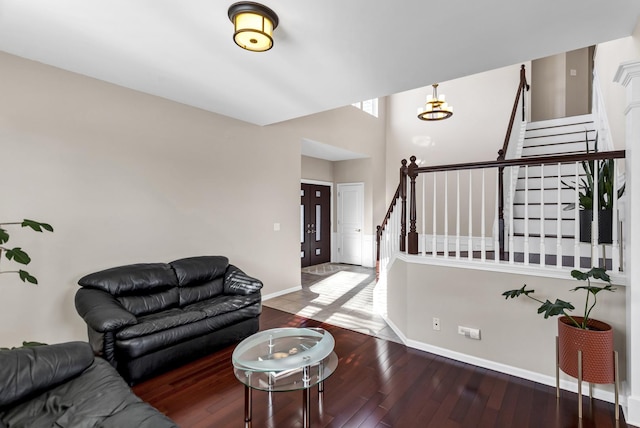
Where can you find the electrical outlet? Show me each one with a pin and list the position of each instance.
(436, 323)
(471, 333)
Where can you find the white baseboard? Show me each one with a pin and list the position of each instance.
(565, 384)
(281, 292)
(632, 410)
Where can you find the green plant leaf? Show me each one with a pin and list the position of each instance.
(516, 293)
(36, 225)
(580, 276)
(18, 256)
(27, 344)
(4, 236)
(594, 290)
(27, 277)
(594, 272)
(556, 308)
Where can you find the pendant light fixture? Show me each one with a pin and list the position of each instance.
(436, 108)
(253, 25)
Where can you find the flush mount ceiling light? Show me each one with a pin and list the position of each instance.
(253, 25)
(436, 108)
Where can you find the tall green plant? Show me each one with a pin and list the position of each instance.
(586, 187)
(17, 254)
(561, 307)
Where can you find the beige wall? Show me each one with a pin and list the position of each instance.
(126, 177)
(316, 169)
(482, 107)
(354, 130)
(512, 332)
(555, 92)
(548, 84)
(578, 91)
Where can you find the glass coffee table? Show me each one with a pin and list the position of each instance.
(285, 359)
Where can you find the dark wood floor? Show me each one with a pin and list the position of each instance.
(377, 384)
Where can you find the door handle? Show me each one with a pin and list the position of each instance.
(357, 230)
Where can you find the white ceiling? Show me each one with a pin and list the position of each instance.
(327, 53)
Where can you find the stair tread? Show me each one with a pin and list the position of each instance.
(546, 218)
(537, 235)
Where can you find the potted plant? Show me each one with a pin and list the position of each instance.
(586, 190)
(594, 338)
(17, 254)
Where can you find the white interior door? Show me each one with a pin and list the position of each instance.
(350, 222)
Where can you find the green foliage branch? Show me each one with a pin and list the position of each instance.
(561, 307)
(17, 254)
(587, 185)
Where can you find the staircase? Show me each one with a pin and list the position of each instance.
(546, 138)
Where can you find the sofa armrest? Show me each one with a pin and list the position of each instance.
(238, 282)
(31, 370)
(101, 311)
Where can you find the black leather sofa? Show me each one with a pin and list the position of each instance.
(149, 318)
(63, 385)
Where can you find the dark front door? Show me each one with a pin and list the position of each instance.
(315, 224)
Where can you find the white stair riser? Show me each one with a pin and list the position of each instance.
(565, 148)
(551, 246)
(550, 211)
(576, 130)
(551, 170)
(550, 227)
(550, 182)
(567, 196)
(563, 121)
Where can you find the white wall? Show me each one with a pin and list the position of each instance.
(125, 177)
(608, 57)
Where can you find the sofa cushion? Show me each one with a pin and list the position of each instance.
(99, 397)
(223, 304)
(197, 270)
(132, 279)
(160, 321)
(151, 302)
(31, 370)
(142, 345)
(200, 278)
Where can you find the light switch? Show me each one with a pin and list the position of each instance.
(276, 227)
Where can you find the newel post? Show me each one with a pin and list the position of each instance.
(413, 235)
(500, 206)
(403, 205)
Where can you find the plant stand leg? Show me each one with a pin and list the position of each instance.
(616, 376)
(557, 369)
(580, 384)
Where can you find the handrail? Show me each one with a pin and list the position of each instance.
(387, 216)
(383, 225)
(410, 172)
(615, 154)
(522, 86)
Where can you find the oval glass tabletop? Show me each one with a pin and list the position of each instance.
(285, 359)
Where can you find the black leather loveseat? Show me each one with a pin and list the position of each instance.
(149, 318)
(63, 385)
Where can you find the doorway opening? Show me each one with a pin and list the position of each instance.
(315, 224)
